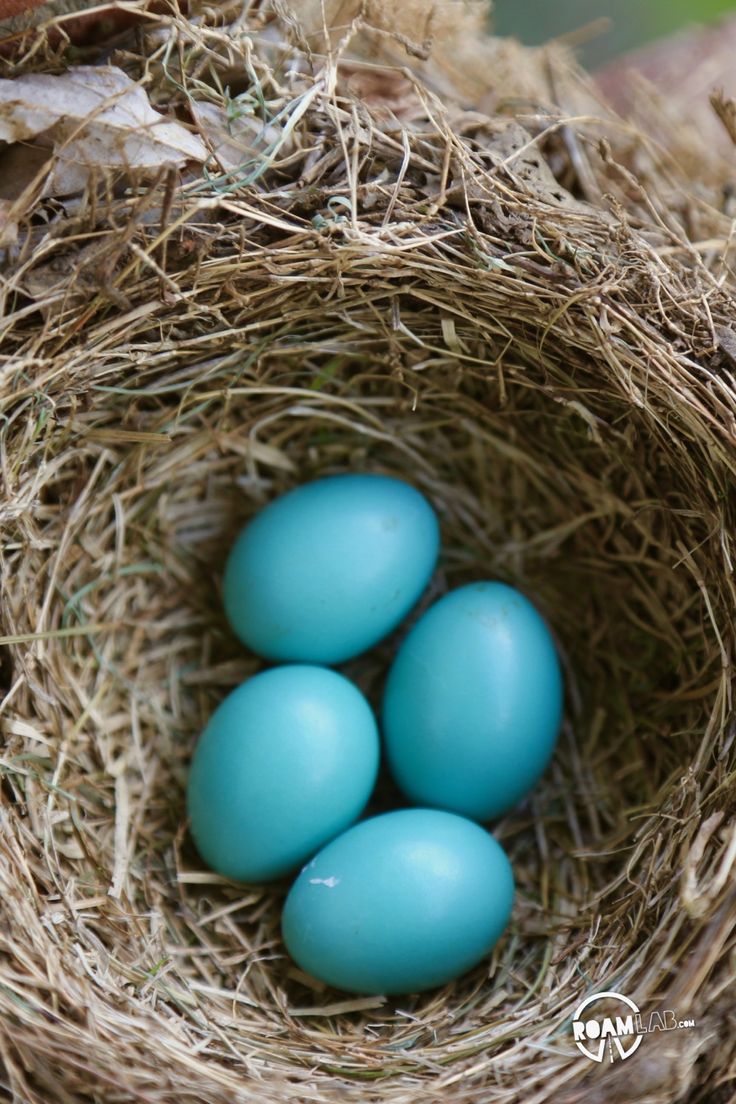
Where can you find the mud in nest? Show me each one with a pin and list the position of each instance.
(451, 265)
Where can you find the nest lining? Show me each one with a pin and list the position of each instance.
(514, 309)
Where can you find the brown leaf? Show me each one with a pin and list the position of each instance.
(384, 90)
(725, 109)
(20, 164)
(9, 8)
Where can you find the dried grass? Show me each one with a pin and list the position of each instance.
(524, 306)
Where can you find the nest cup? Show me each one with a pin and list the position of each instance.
(497, 300)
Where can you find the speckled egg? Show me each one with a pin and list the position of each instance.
(399, 903)
(324, 572)
(472, 704)
(286, 762)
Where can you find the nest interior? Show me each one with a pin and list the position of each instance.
(459, 267)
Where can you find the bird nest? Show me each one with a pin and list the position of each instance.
(414, 250)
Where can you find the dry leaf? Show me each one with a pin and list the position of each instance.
(69, 278)
(20, 164)
(384, 90)
(725, 109)
(96, 117)
(8, 225)
(235, 140)
(9, 8)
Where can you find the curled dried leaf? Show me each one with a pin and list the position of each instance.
(725, 109)
(96, 117)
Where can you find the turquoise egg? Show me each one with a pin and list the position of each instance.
(473, 702)
(287, 761)
(399, 903)
(327, 570)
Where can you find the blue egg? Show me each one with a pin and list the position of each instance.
(473, 702)
(286, 762)
(399, 903)
(327, 570)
